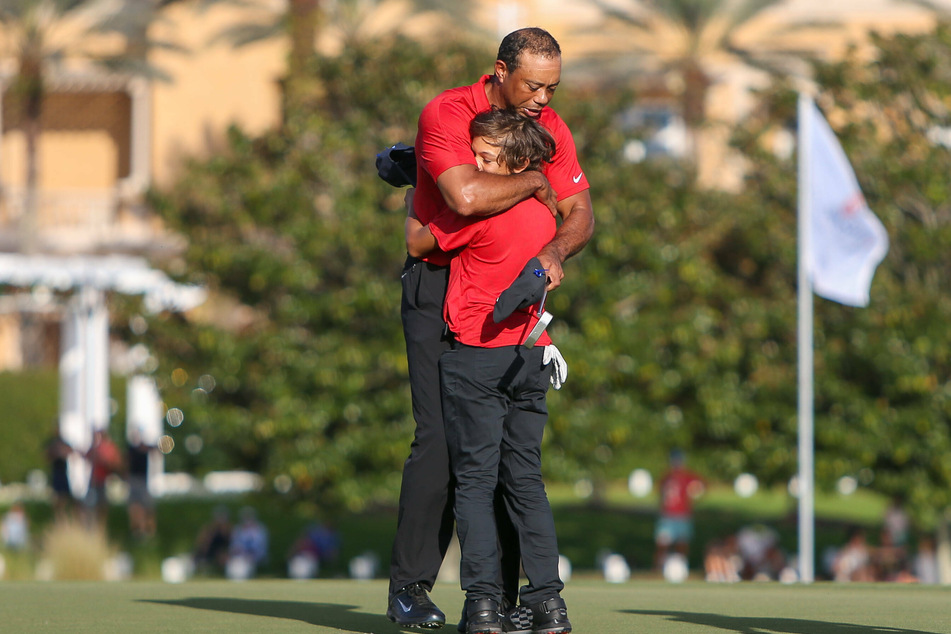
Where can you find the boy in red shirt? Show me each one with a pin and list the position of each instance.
(493, 386)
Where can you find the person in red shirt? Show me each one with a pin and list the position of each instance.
(527, 72)
(105, 460)
(678, 488)
(494, 386)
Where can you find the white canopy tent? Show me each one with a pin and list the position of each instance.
(84, 353)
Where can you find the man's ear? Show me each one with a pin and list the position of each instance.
(521, 167)
(501, 70)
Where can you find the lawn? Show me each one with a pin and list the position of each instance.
(325, 606)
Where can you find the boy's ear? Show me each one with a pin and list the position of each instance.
(521, 167)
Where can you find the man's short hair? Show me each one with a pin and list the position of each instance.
(531, 40)
(520, 140)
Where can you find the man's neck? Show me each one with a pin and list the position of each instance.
(492, 92)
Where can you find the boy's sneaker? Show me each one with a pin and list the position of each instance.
(550, 617)
(412, 607)
(483, 617)
(517, 620)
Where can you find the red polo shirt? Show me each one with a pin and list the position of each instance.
(442, 141)
(492, 252)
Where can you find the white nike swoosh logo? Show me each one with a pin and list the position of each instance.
(577, 178)
(406, 608)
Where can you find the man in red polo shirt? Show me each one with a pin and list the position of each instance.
(527, 72)
(494, 386)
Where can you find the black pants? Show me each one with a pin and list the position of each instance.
(495, 411)
(425, 520)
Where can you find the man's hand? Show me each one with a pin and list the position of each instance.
(574, 232)
(551, 261)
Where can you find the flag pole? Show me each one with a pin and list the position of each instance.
(805, 351)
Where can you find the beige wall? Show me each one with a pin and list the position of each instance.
(11, 355)
(85, 142)
(86, 136)
(214, 86)
(853, 19)
(217, 84)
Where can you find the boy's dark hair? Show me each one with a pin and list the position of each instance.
(520, 140)
(531, 40)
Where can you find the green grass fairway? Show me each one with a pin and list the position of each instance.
(325, 606)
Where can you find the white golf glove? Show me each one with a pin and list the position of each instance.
(559, 371)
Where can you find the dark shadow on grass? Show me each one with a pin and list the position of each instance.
(341, 617)
(768, 625)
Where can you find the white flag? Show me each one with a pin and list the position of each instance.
(847, 239)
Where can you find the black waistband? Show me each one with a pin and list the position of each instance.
(411, 260)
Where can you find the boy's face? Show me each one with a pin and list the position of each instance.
(487, 157)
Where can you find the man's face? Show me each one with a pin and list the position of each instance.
(487, 157)
(531, 86)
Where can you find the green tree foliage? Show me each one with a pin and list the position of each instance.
(882, 406)
(678, 324)
(296, 227)
(678, 320)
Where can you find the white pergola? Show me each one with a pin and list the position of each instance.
(84, 353)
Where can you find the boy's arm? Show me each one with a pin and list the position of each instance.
(419, 239)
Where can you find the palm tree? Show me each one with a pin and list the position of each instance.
(303, 22)
(28, 26)
(942, 11)
(681, 38)
(131, 20)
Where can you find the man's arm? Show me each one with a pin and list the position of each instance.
(576, 229)
(469, 192)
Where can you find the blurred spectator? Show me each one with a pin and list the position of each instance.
(249, 546)
(214, 540)
(321, 540)
(896, 522)
(722, 562)
(889, 559)
(141, 503)
(106, 460)
(853, 561)
(678, 488)
(15, 528)
(317, 546)
(758, 546)
(925, 562)
(57, 452)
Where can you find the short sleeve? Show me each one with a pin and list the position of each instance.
(442, 140)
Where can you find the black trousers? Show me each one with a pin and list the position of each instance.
(495, 411)
(425, 521)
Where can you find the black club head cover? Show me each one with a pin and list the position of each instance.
(397, 165)
(527, 289)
